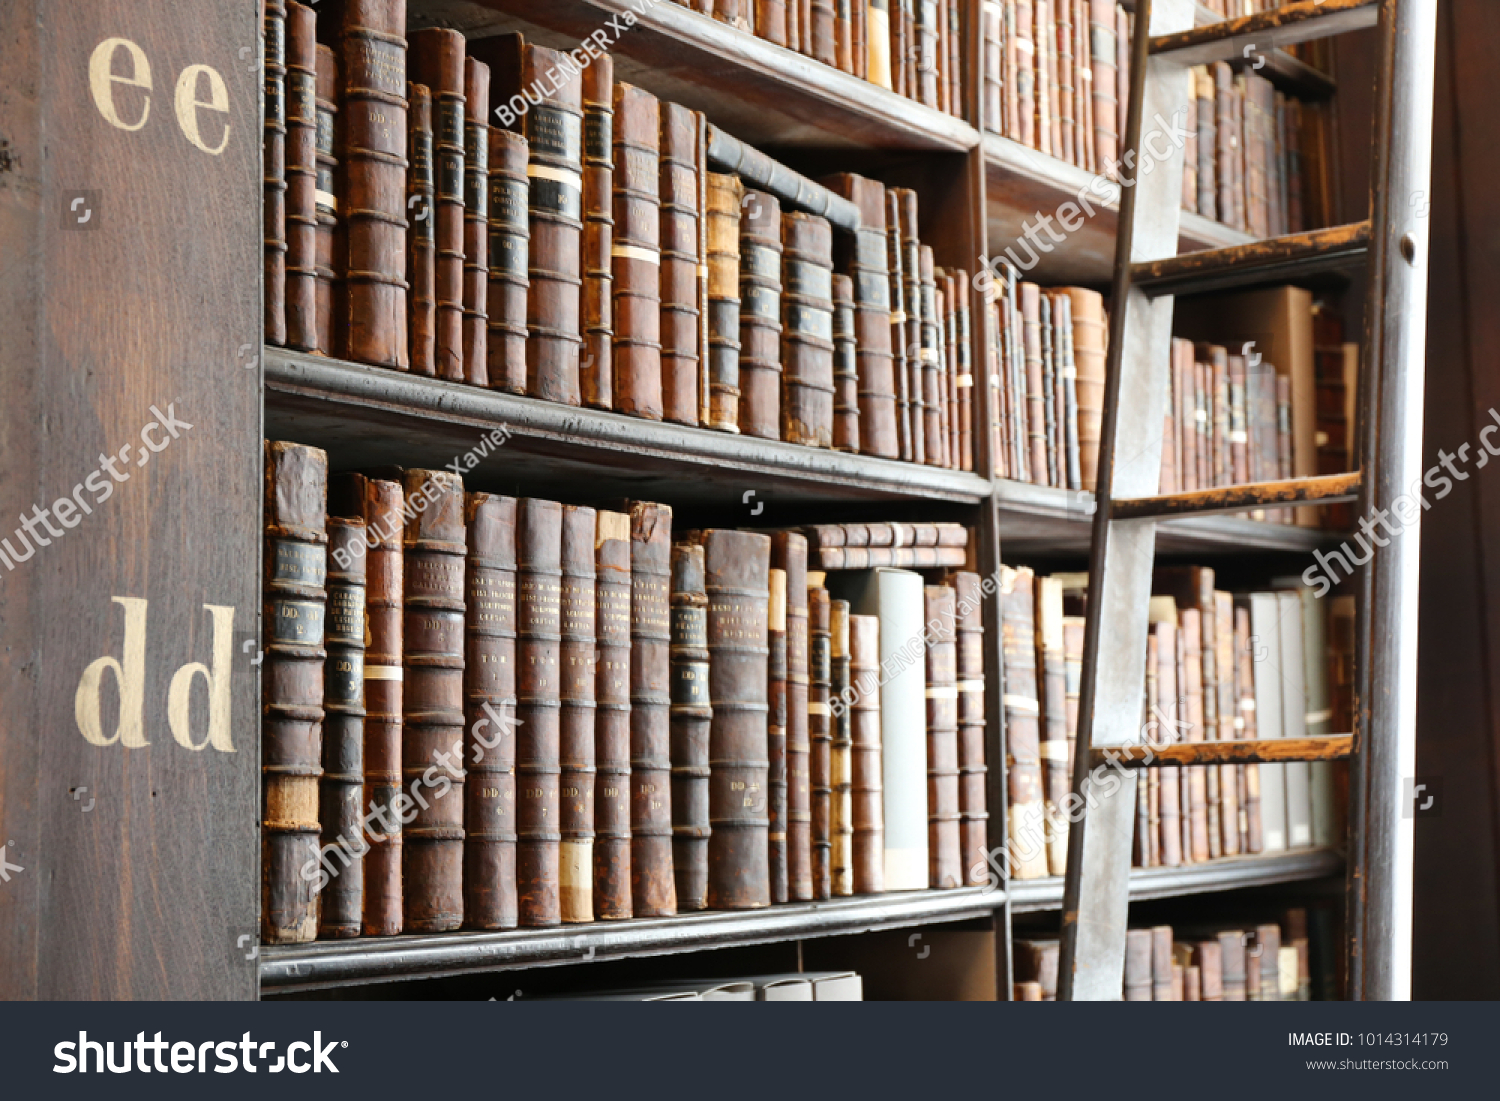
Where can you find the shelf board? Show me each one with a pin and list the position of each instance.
(323, 964)
(761, 93)
(1020, 182)
(369, 416)
(1228, 874)
(1041, 519)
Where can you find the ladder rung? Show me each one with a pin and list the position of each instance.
(1327, 748)
(1276, 258)
(1326, 490)
(1237, 39)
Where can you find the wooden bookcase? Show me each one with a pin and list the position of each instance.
(146, 884)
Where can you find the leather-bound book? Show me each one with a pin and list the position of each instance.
(1146, 846)
(807, 330)
(972, 808)
(509, 257)
(1138, 965)
(339, 794)
(734, 12)
(944, 848)
(370, 300)
(539, 527)
(789, 554)
(705, 389)
(576, 658)
(437, 61)
(476, 266)
(900, 366)
(867, 813)
(906, 38)
(760, 316)
(380, 504)
(1190, 156)
(878, 43)
(274, 160)
(933, 388)
(435, 544)
(925, 46)
(1207, 153)
(840, 782)
(776, 734)
(1028, 71)
(1252, 835)
(770, 21)
(820, 736)
(1036, 434)
(911, 275)
(553, 129)
(1056, 781)
(737, 574)
(1231, 777)
(490, 713)
(842, 36)
(1170, 808)
(421, 240)
(691, 715)
(1190, 630)
(859, 35)
(1208, 961)
(963, 369)
(794, 25)
(301, 177)
(1162, 989)
(596, 371)
(1088, 350)
(1036, 962)
(1232, 965)
(845, 367)
(723, 231)
(1222, 77)
(824, 46)
(1026, 829)
(1103, 54)
(296, 559)
(948, 296)
(636, 253)
(681, 229)
(612, 717)
(327, 205)
(653, 889)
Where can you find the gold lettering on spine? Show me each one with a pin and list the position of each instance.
(130, 676)
(100, 79)
(187, 105)
(180, 693)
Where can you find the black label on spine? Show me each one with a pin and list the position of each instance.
(450, 122)
(690, 628)
(344, 679)
(690, 682)
(869, 250)
(275, 102)
(346, 615)
(302, 97)
(508, 199)
(555, 135)
(508, 255)
(296, 563)
(760, 304)
(757, 262)
(808, 280)
(325, 133)
(808, 322)
(275, 40)
(598, 136)
(558, 199)
(450, 176)
(295, 622)
(872, 290)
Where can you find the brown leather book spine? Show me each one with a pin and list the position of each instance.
(370, 303)
(1056, 780)
(274, 159)
(859, 35)
(925, 47)
(296, 563)
(845, 368)
(897, 262)
(1088, 353)
(538, 710)
(301, 170)
(705, 334)
(690, 719)
(789, 553)
(612, 717)
(339, 795)
(1170, 809)
(1036, 427)
(820, 738)
(490, 713)
(965, 372)
(1233, 965)
(1026, 826)
(476, 267)
(776, 734)
(1105, 96)
(933, 388)
(1252, 836)
(653, 889)
(1161, 964)
(432, 700)
(841, 812)
(770, 21)
(437, 61)
(1138, 965)
(681, 232)
(793, 26)
(1207, 125)
(421, 240)
(576, 670)
(972, 807)
(807, 330)
(760, 316)
(867, 791)
(843, 36)
(723, 221)
(327, 205)
(824, 44)
(636, 253)
(509, 258)
(911, 274)
(944, 834)
(596, 371)
(1222, 78)
(1208, 960)
(949, 293)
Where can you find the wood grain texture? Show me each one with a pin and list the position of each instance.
(1324, 748)
(1327, 489)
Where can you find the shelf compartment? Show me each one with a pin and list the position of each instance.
(324, 964)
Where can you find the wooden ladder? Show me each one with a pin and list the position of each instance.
(1393, 244)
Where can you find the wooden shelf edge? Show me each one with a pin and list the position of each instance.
(1226, 874)
(324, 964)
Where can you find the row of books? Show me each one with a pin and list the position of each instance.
(586, 254)
(912, 47)
(1057, 79)
(1219, 667)
(800, 986)
(1291, 959)
(485, 711)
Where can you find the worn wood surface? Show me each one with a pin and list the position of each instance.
(131, 866)
(1326, 489)
(1303, 21)
(1330, 748)
(1274, 259)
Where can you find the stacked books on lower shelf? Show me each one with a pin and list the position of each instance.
(489, 712)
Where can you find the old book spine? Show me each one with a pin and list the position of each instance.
(794, 25)
(576, 774)
(824, 35)
(807, 330)
(274, 160)
(964, 371)
(612, 718)
(1223, 88)
(681, 230)
(1190, 154)
(1027, 73)
(1102, 53)
(859, 50)
(841, 812)
(1026, 828)
(490, 713)
(944, 835)
(723, 223)
(770, 20)
(896, 262)
(339, 802)
(992, 99)
(509, 251)
(435, 544)
(845, 367)
(636, 253)
(1190, 630)
(1148, 848)
(863, 257)
(301, 171)
(760, 316)
(1056, 781)
(1228, 707)
(1036, 433)
(820, 738)
(370, 303)
(1088, 352)
(538, 710)
(327, 204)
(972, 806)
(596, 370)
(901, 46)
(925, 45)
(1067, 112)
(911, 274)
(705, 335)
(476, 266)
(789, 553)
(1047, 336)
(653, 888)
(1046, 78)
(437, 60)
(421, 241)
(867, 805)
(776, 735)
(691, 715)
(878, 43)
(296, 558)
(1169, 803)
(935, 446)
(1206, 148)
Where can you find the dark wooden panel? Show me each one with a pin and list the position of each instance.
(139, 886)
